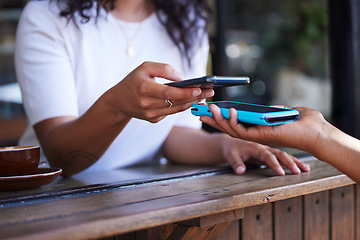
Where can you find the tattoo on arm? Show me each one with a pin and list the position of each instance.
(80, 158)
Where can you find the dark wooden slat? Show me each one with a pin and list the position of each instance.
(161, 232)
(288, 216)
(343, 213)
(232, 232)
(210, 220)
(182, 232)
(257, 223)
(316, 216)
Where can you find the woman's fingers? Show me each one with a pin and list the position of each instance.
(141, 97)
(270, 159)
(152, 70)
(237, 152)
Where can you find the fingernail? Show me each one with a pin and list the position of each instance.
(240, 170)
(178, 75)
(281, 171)
(308, 168)
(196, 92)
(209, 94)
(297, 170)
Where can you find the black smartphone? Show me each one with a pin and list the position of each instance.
(211, 81)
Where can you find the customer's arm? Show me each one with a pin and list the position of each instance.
(312, 133)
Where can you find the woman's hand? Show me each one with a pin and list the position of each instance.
(237, 152)
(303, 134)
(191, 146)
(139, 96)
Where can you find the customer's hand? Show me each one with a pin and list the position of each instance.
(302, 134)
(139, 96)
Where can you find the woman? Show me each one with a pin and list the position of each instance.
(89, 109)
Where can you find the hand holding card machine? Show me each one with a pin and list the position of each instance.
(211, 81)
(250, 113)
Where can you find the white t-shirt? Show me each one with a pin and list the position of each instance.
(63, 69)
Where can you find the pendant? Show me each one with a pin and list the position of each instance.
(130, 49)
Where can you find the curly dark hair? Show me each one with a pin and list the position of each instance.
(179, 17)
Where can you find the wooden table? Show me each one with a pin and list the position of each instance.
(211, 203)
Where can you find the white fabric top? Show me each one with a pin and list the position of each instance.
(62, 70)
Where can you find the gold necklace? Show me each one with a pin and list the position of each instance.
(130, 50)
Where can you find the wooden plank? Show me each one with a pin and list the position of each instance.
(182, 232)
(213, 219)
(216, 231)
(343, 213)
(316, 216)
(288, 219)
(150, 205)
(257, 223)
(156, 233)
(163, 232)
(232, 232)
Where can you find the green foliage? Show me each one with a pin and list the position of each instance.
(297, 39)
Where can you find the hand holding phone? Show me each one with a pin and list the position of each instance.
(211, 81)
(250, 113)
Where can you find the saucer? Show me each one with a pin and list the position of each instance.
(42, 177)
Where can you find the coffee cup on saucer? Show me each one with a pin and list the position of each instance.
(19, 160)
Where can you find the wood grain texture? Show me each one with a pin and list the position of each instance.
(232, 232)
(182, 232)
(288, 219)
(143, 206)
(210, 220)
(317, 216)
(343, 213)
(257, 223)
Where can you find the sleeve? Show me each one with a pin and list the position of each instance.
(43, 67)
(198, 69)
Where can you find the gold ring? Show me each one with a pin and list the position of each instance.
(168, 102)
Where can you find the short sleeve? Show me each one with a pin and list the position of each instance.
(43, 67)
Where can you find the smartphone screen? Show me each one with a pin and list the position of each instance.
(250, 107)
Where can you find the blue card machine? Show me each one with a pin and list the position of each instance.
(250, 113)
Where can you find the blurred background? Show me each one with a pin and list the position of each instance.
(10, 98)
(282, 45)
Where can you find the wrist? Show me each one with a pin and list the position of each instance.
(324, 142)
(111, 107)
